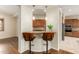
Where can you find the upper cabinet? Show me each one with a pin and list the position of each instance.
(39, 25)
(73, 22)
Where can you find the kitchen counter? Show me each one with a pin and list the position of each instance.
(41, 32)
(72, 34)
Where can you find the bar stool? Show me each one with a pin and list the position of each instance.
(28, 37)
(48, 36)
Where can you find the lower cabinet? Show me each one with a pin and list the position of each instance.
(72, 34)
(68, 33)
(75, 34)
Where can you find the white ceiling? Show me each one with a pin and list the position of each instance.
(67, 9)
(70, 9)
(41, 9)
(9, 9)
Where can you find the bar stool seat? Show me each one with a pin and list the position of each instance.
(28, 37)
(48, 36)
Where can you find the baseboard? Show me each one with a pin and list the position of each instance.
(21, 51)
(55, 48)
(50, 51)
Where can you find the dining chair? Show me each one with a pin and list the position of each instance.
(48, 36)
(28, 37)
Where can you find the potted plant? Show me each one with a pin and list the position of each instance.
(50, 26)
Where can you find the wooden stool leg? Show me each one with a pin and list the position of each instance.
(30, 47)
(46, 46)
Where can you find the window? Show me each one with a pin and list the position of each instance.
(1, 24)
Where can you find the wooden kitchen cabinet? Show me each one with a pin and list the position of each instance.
(68, 33)
(68, 21)
(73, 22)
(75, 25)
(75, 34)
(78, 23)
(39, 23)
(72, 34)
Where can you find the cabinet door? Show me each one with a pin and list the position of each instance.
(75, 34)
(39, 23)
(78, 24)
(68, 33)
(75, 23)
(67, 21)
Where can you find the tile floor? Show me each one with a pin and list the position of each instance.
(70, 44)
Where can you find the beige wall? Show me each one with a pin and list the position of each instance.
(9, 26)
(53, 18)
(25, 25)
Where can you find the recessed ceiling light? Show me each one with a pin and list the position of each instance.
(45, 18)
(33, 17)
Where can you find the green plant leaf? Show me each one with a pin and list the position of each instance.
(50, 26)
